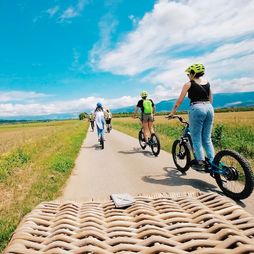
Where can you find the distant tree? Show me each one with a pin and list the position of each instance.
(82, 115)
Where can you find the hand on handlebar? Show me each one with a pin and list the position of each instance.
(170, 115)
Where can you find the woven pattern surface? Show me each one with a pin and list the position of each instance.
(177, 223)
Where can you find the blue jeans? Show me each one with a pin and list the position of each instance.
(201, 122)
(100, 132)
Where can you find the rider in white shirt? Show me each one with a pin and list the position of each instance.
(99, 120)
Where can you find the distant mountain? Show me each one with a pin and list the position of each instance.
(40, 117)
(123, 110)
(220, 100)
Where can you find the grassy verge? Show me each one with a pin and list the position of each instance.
(234, 131)
(36, 172)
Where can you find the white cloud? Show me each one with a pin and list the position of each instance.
(63, 15)
(52, 11)
(222, 64)
(164, 42)
(245, 84)
(107, 26)
(76, 65)
(141, 49)
(58, 107)
(19, 96)
(72, 11)
(163, 93)
(176, 34)
(133, 19)
(69, 13)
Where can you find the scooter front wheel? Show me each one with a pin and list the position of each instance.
(102, 142)
(181, 155)
(141, 139)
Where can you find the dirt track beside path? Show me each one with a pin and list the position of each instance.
(124, 167)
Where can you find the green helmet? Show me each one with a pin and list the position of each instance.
(196, 68)
(144, 94)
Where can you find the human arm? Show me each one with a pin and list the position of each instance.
(135, 111)
(180, 98)
(138, 106)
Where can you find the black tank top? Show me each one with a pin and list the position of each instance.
(198, 92)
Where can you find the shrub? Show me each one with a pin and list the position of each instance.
(218, 135)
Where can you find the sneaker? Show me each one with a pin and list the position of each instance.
(199, 166)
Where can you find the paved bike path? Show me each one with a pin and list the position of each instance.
(124, 167)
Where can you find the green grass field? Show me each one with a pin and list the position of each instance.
(35, 162)
(36, 159)
(234, 130)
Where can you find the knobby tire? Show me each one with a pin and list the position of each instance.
(102, 142)
(156, 146)
(186, 155)
(141, 139)
(246, 172)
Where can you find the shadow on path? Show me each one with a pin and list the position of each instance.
(95, 147)
(174, 177)
(89, 147)
(136, 150)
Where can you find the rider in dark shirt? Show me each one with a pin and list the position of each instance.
(201, 113)
(147, 114)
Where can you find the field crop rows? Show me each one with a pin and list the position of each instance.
(35, 162)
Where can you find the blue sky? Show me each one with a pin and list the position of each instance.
(64, 56)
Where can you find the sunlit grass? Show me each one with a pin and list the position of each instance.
(35, 168)
(237, 131)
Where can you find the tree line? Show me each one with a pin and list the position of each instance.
(84, 115)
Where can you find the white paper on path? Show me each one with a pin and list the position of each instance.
(122, 199)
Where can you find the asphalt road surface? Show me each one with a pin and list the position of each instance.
(123, 167)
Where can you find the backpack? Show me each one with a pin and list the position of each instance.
(148, 107)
